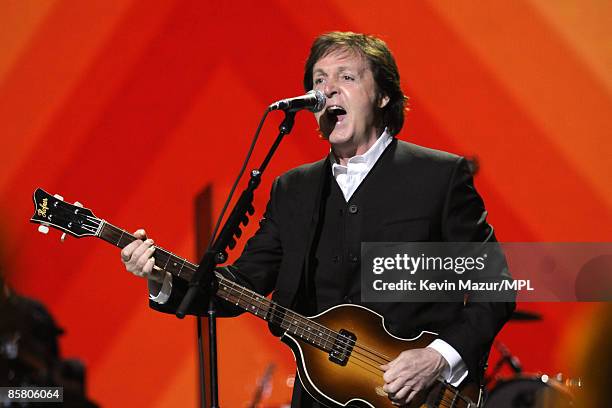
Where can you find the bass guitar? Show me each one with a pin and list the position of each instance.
(338, 352)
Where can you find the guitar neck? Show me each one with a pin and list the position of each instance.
(164, 259)
(234, 293)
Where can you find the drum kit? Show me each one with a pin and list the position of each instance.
(522, 390)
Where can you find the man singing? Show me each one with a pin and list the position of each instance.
(371, 187)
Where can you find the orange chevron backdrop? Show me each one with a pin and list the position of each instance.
(133, 106)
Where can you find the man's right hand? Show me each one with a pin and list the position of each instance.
(138, 258)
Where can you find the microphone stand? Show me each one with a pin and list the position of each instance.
(506, 358)
(202, 280)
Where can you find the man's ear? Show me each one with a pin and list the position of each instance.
(383, 100)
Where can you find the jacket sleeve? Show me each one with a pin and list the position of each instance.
(464, 220)
(256, 268)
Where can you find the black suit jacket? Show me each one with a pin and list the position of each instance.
(414, 194)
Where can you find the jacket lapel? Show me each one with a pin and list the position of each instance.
(311, 193)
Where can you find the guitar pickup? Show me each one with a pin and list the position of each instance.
(342, 348)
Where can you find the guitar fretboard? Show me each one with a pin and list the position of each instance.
(247, 300)
(164, 259)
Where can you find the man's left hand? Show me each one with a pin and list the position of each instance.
(411, 372)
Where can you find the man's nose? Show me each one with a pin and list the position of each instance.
(330, 88)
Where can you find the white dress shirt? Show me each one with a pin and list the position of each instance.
(349, 178)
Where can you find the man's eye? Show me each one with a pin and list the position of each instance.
(318, 81)
(347, 78)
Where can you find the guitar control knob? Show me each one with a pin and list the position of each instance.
(63, 237)
(43, 229)
(59, 197)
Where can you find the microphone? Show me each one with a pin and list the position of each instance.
(313, 101)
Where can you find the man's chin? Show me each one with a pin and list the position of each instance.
(338, 143)
(339, 137)
(342, 146)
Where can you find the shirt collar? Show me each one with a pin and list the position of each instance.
(369, 158)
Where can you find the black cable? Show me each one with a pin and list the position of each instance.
(240, 174)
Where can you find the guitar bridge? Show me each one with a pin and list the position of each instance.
(342, 347)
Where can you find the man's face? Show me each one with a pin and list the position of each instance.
(349, 119)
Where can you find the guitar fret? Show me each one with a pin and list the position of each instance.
(110, 233)
(255, 308)
(167, 260)
(191, 268)
(239, 296)
(181, 268)
(304, 328)
(100, 227)
(236, 294)
(119, 240)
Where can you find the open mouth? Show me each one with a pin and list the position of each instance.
(337, 112)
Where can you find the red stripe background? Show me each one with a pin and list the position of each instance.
(133, 106)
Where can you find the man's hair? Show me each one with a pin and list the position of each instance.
(381, 62)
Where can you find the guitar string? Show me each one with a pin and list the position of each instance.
(358, 357)
(249, 300)
(239, 295)
(313, 339)
(299, 317)
(344, 341)
(355, 356)
(187, 265)
(443, 401)
(332, 338)
(268, 303)
(445, 388)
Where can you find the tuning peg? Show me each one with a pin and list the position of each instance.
(43, 229)
(78, 204)
(63, 237)
(59, 197)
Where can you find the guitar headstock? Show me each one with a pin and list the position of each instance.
(73, 219)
